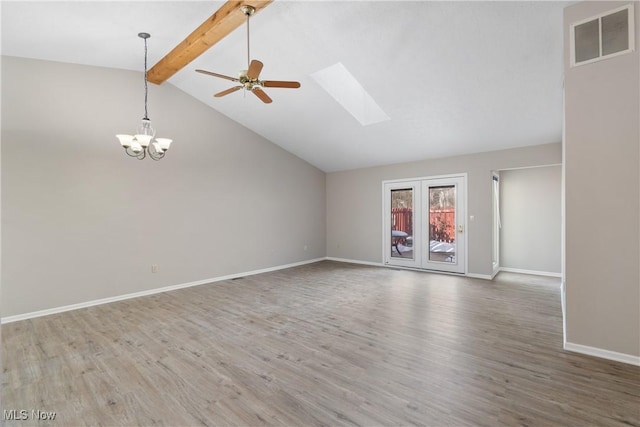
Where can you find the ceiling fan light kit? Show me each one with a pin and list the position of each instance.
(249, 79)
(142, 144)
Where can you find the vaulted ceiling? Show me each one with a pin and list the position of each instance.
(453, 77)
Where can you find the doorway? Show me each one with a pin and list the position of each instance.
(424, 223)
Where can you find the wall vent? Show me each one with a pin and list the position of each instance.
(602, 36)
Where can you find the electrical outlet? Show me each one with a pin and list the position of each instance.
(154, 268)
(305, 247)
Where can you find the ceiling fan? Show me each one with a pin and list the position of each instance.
(248, 78)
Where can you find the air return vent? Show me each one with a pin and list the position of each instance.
(602, 36)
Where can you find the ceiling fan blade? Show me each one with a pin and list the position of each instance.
(262, 95)
(222, 76)
(228, 91)
(276, 83)
(254, 69)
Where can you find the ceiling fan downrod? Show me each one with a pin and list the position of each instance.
(248, 10)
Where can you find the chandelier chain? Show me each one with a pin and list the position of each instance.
(146, 88)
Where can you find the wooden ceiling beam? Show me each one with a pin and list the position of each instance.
(218, 26)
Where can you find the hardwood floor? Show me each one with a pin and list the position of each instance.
(324, 344)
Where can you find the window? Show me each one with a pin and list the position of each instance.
(602, 36)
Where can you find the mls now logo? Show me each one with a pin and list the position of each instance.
(23, 415)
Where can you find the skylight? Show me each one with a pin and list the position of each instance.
(344, 88)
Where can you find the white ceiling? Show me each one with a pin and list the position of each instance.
(454, 77)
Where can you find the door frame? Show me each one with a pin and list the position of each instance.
(410, 182)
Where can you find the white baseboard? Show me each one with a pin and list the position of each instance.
(604, 354)
(480, 276)
(533, 272)
(354, 261)
(379, 264)
(92, 303)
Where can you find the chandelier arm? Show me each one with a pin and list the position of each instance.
(154, 154)
(141, 155)
(130, 152)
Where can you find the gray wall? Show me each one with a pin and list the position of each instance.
(354, 201)
(602, 146)
(82, 221)
(531, 219)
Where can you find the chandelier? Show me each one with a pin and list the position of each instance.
(142, 143)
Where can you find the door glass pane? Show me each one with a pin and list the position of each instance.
(615, 32)
(402, 223)
(587, 41)
(442, 223)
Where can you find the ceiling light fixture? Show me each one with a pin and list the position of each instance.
(142, 144)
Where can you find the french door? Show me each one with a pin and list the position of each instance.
(424, 223)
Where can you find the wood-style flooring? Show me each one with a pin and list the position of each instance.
(329, 344)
